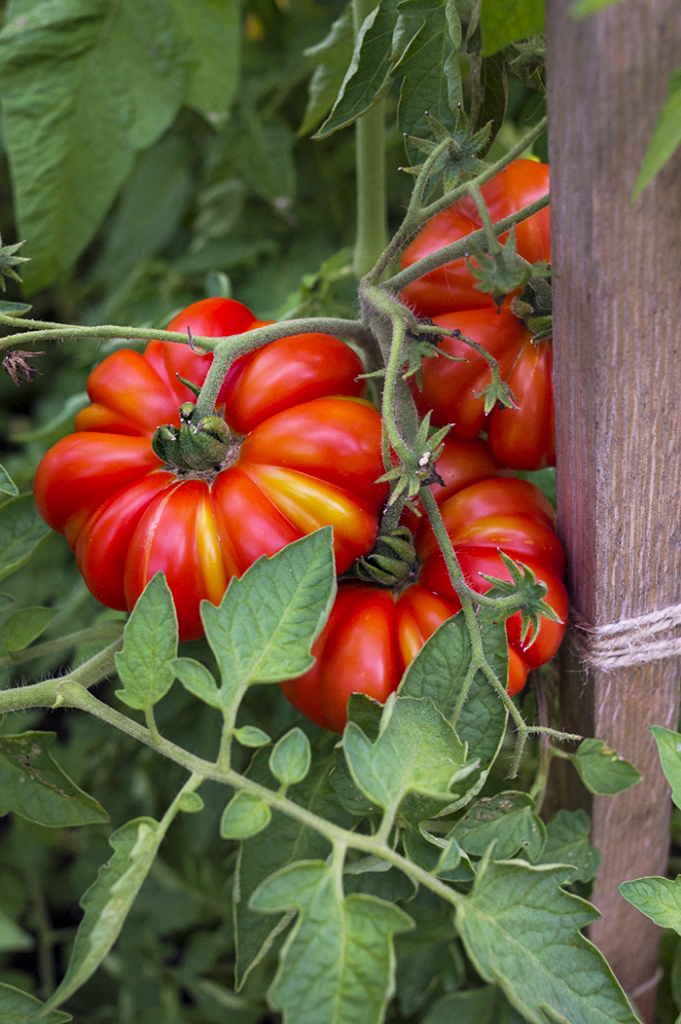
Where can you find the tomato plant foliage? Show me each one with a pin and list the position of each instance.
(318, 497)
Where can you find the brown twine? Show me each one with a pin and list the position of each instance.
(634, 641)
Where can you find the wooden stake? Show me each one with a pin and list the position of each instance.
(617, 339)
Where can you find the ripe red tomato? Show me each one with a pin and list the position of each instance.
(305, 453)
(520, 438)
(452, 286)
(373, 634)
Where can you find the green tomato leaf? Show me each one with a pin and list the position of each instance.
(485, 1005)
(417, 751)
(24, 626)
(338, 963)
(34, 786)
(367, 78)
(439, 671)
(18, 1007)
(505, 21)
(431, 72)
(21, 531)
(666, 135)
(85, 86)
(13, 308)
(521, 930)
(244, 816)
(332, 55)
(7, 485)
(198, 680)
(602, 770)
(567, 842)
(269, 618)
(508, 820)
(669, 750)
(657, 898)
(211, 30)
(251, 736)
(108, 901)
(291, 757)
(149, 647)
(12, 937)
(260, 857)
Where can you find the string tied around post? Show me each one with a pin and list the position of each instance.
(636, 641)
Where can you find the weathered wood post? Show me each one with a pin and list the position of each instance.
(617, 338)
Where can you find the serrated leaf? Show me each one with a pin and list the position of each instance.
(7, 485)
(333, 55)
(505, 21)
(259, 857)
(417, 751)
(244, 816)
(508, 820)
(198, 680)
(149, 646)
(24, 626)
(439, 671)
(269, 618)
(291, 757)
(368, 77)
(108, 901)
(12, 937)
(431, 73)
(212, 35)
(657, 898)
(84, 87)
(521, 930)
(21, 531)
(18, 1007)
(666, 136)
(337, 964)
(602, 770)
(669, 751)
(34, 786)
(567, 842)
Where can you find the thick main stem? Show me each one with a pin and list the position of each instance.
(370, 162)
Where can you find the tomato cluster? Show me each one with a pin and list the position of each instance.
(305, 452)
(521, 437)
(145, 485)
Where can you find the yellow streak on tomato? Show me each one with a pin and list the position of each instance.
(209, 552)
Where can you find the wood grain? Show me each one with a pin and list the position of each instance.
(617, 342)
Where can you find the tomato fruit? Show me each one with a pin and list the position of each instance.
(452, 286)
(372, 633)
(304, 452)
(520, 438)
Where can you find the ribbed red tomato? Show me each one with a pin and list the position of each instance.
(373, 633)
(452, 286)
(521, 438)
(305, 451)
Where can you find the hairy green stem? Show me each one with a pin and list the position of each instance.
(460, 248)
(417, 214)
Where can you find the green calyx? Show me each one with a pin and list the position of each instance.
(197, 445)
(392, 561)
